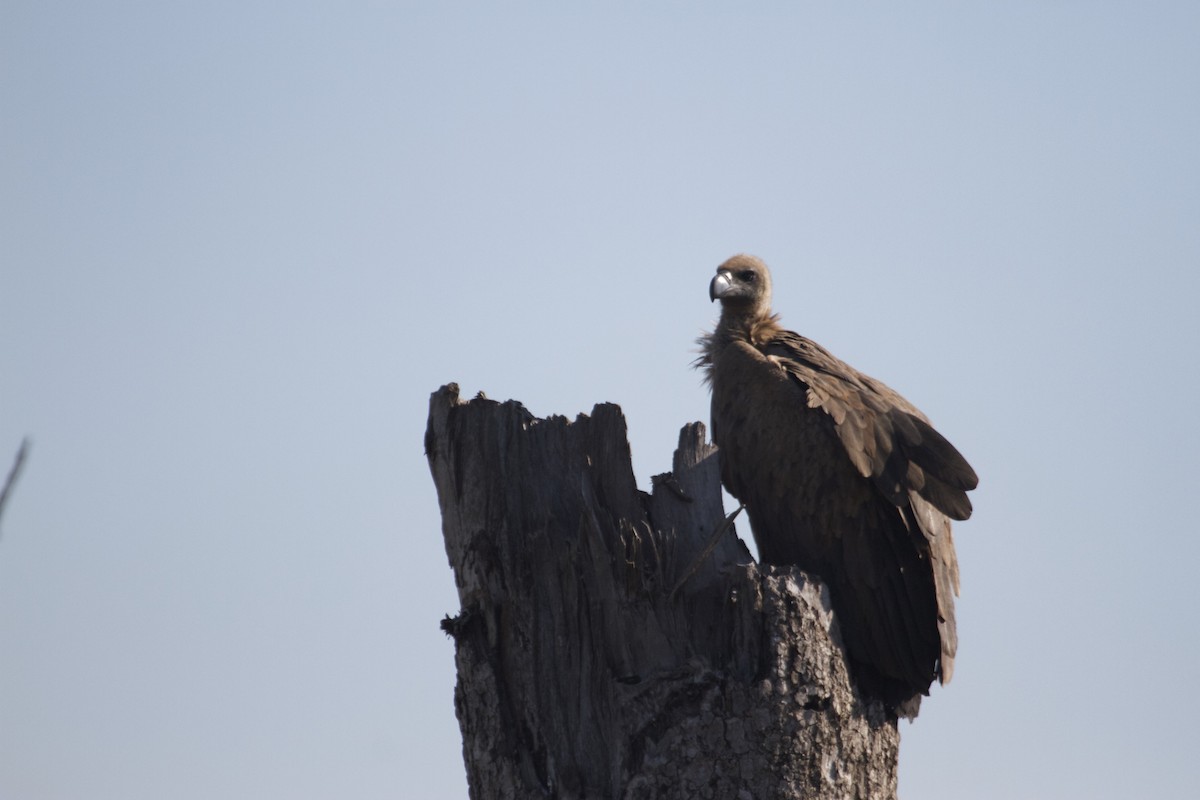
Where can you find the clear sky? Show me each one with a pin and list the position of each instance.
(242, 242)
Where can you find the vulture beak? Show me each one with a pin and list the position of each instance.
(720, 285)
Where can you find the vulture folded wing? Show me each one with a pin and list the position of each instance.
(886, 437)
(935, 528)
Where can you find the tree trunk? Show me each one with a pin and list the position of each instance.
(582, 674)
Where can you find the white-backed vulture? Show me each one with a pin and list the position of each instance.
(843, 477)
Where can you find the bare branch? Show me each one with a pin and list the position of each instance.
(13, 474)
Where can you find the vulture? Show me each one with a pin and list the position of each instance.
(844, 478)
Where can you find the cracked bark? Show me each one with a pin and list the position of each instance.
(580, 676)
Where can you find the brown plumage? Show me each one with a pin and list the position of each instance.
(846, 479)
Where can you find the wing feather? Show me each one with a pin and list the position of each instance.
(885, 437)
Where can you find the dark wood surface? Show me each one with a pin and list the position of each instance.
(580, 673)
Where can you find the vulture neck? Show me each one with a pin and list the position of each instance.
(753, 323)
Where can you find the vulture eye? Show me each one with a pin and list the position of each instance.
(746, 275)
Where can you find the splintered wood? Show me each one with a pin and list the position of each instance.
(582, 675)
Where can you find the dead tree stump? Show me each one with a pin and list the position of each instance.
(580, 673)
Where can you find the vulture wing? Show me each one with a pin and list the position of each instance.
(843, 477)
(885, 436)
(891, 442)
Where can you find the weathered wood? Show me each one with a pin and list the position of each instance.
(580, 676)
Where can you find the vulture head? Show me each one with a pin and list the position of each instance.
(743, 285)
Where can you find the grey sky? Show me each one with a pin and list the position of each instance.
(242, 242)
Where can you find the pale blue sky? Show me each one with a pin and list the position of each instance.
(242, 242)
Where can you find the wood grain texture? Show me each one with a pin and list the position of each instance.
(579, 676)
